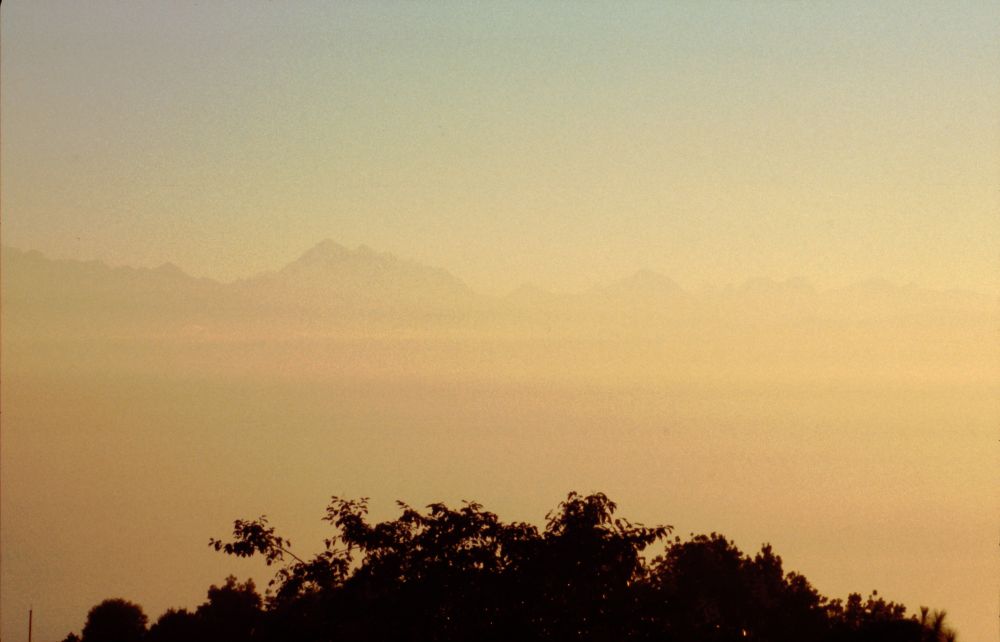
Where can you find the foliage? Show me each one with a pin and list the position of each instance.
(115, 620)
(450, 574)
(175, 624)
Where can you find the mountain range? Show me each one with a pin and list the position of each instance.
(331, 277)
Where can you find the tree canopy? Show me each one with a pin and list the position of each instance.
(115, 620)
(448, 574)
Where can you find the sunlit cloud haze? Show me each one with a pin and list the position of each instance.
(733, 264)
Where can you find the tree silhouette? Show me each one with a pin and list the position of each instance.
(232, 612)
(707, 589)
(115, 620)
(448, 574)
(934, 628)
(176, 625)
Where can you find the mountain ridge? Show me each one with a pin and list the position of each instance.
(330, 255)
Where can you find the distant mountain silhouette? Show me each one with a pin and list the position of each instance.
(56, 292)
(330, 275)
(330, 265)
(645, 284)
(644, 322)
(84, 277)
(763, 291)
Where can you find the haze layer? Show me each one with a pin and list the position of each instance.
(144, 409)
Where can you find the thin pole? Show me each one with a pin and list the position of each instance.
(29, 624)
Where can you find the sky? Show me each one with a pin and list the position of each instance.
(564, 145)
(561, 144)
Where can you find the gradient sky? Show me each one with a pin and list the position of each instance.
(562, 144)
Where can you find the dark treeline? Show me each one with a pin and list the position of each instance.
(462, 574)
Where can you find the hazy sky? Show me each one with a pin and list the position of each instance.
(563, 144)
